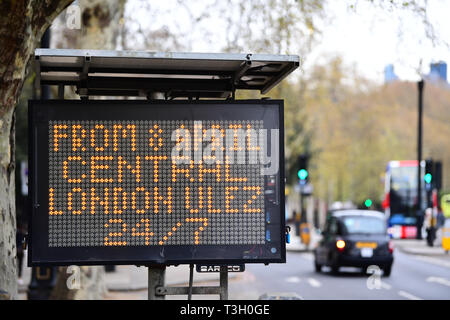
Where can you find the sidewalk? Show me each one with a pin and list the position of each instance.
(420, 247)
(132, 278)
(129, 278)
(296, 244)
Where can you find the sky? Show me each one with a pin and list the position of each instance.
(369, 39)
(366, 37)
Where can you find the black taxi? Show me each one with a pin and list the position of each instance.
(355, 238)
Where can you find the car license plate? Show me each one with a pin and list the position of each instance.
(372, 245)
(366, 252)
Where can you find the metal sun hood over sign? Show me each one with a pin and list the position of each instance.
(176, 75)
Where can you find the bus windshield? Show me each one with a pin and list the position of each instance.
(403, 190)
(404, 178)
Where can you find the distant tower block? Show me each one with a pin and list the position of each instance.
(389, 74)
(438, 71)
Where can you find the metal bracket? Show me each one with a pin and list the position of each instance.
(164, 291)
(244, 67)
(247, 64)
(83, 91)
(86, 64)
(61, 88)
(221, 290)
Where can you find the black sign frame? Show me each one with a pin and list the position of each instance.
(42, 111)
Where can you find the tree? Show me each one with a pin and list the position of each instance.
(22, 25)
(100, 26)
(258, 26)
(358, 126)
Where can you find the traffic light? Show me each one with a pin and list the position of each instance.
(302, 174)
(302, 169)
(368, 203)
(437, 177)
(433, 174)
(428, 177)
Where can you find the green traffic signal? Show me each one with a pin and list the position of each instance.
(428, 178)
(368, 203)
(302, 174)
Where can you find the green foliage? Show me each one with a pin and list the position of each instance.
(282, 26)
(354, 127)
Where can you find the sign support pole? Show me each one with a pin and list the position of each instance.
(191, 280)
(420, 213)
(157, 290)
(223, 283)
(156, 278)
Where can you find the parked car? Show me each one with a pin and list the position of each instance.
(355, 238)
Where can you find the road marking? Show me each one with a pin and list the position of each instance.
(374, 280)
(293, 279)
(308, 256)
(435, 261)
(385, 286)
(408, 295)
(314, 283)
(442, 281)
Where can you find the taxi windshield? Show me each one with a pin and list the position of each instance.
(363, 225)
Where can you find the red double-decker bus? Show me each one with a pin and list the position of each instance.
(400, 202)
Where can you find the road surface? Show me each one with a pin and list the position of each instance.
(413, 277)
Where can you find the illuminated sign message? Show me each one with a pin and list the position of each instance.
(114, 183)
(160, 182)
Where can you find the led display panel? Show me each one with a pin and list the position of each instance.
(160, 182)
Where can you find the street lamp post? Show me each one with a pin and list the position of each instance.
(419, 223)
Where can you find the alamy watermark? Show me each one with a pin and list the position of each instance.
(230, 146)
(73, 282)
(374, 281)
(73, 17)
